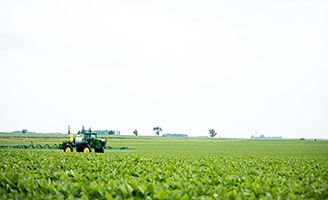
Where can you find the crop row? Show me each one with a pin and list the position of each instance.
(37, 174)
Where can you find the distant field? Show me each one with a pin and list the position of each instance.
(152, 144)
(167, 168)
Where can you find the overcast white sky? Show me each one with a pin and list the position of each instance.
(184, 65)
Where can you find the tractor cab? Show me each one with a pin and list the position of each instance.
(88, 135)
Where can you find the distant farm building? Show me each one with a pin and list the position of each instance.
(109, 132)
(174, 135)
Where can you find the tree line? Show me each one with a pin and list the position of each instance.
(212, 133)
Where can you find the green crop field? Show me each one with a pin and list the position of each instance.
(166, 168)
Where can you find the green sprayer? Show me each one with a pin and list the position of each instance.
(84, 141)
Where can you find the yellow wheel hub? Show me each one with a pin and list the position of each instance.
(86, 150)
(67, 149)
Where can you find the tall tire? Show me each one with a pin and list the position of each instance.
(86, 149)
(68, 148)
(99, 150)
(79, 149)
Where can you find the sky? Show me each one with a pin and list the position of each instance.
(239, 67)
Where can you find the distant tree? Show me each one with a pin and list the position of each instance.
(157, 130)
(111, 132)
(24, 131)
(135, 132)
(212, 133)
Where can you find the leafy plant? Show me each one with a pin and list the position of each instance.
(195, 173)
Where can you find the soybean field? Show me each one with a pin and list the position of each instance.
(168, 168)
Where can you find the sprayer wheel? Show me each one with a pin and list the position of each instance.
(99, 150)
(87, 149)
(68, 149)
(79, 149)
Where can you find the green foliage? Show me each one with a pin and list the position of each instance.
(212, 133)
(135, 132)
(111, 132)
(171, 169)
(157, 130)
